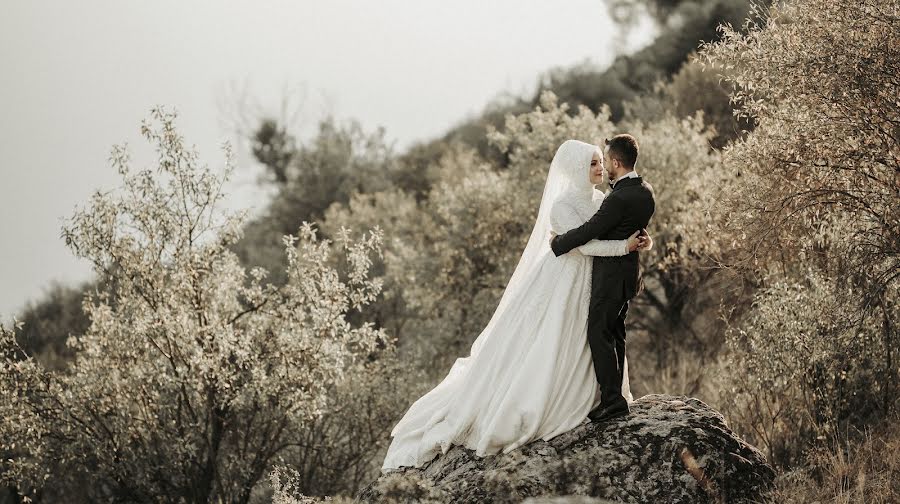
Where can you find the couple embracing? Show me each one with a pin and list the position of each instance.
(552, 355)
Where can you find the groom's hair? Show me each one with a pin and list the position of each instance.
(623, 147)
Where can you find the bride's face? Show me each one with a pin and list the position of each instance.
(596, 171)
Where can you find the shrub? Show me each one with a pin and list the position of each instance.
(199, 374)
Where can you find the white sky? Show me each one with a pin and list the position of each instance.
(78, 77)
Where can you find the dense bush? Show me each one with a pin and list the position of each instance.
(820, 81)
(341, 160)
(682, 23)
(47, 325)
(198, 375)
(810, 368)
(692, 89)
(812, 215)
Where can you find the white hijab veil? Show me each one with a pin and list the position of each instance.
(569, 174)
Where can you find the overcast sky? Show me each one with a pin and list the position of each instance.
(78, 77)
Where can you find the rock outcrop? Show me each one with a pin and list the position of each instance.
(668, 449)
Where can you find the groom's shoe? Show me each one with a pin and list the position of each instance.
(604, 413)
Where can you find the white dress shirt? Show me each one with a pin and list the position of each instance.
(631, 174)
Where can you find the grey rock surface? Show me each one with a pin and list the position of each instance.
(570, 499)
(671, 449)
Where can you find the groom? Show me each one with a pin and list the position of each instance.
(614, 280)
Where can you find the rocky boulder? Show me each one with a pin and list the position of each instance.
(668, 449)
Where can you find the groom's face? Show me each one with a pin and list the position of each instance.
(612, 166)
(596, 173)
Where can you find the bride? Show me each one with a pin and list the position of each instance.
(529, 374)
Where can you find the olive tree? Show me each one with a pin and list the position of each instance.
(194, 375)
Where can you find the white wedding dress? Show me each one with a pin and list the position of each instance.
(529, 374)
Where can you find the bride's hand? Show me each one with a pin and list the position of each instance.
(633, 241)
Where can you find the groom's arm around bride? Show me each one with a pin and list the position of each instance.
(627, 208)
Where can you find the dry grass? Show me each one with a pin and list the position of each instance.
(862, 470)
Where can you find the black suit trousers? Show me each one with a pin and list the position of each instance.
(606, 336)
(613, 287)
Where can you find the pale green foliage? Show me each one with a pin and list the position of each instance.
(408, 487)
(285, 488)
(394, 488)
(402, 264)
(285, 483)
(444, 252)
(820, 80)
(192, 375)
(810, 365)
(781, 341)
(338, 452)
(339, 161)
(481, 223)
(531, 139)
(48, 323)
(692, 89)
(813, 215)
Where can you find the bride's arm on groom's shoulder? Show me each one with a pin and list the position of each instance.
(563, 218)
(600, 223)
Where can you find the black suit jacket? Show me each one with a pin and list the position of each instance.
(625, 210)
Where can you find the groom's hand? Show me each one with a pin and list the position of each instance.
(552, 236)
(645, 241)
